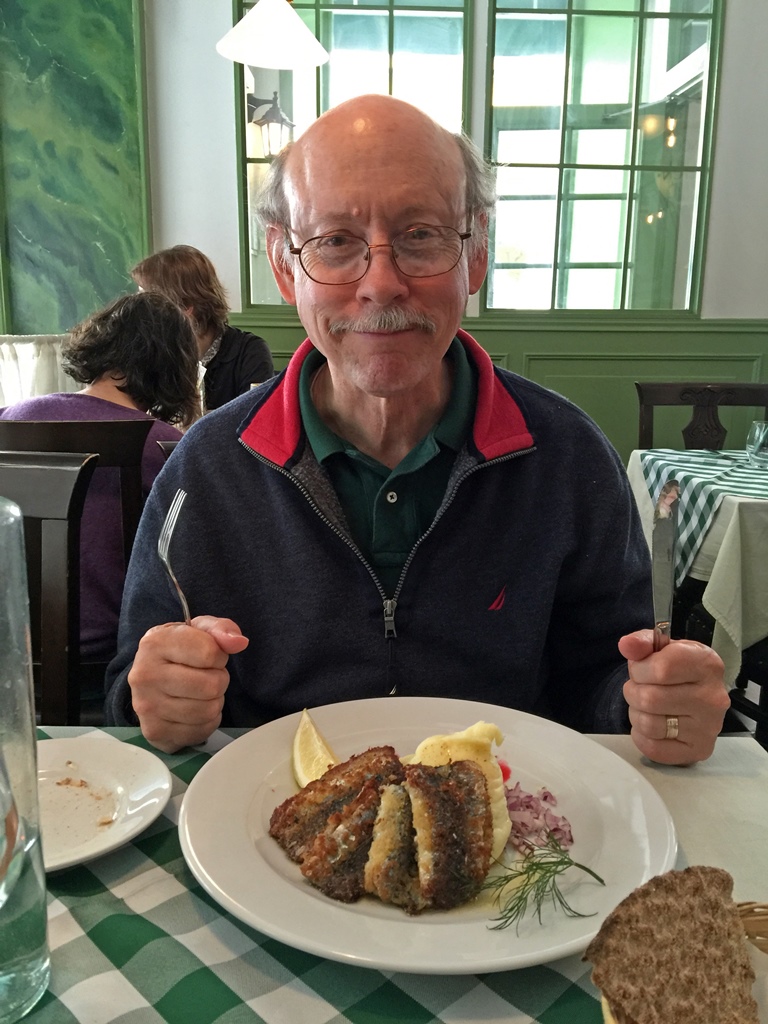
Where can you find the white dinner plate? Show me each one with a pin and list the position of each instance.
(95, 794)
(621, 828)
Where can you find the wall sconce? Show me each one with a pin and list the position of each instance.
(272, 35)
(670, 124)
(275, 126)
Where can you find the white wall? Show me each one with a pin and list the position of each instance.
(736, 274)
(192, 157)
(194, 173)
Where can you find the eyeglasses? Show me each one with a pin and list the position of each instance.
(425, 250)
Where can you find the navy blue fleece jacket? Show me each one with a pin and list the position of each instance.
(517, 594)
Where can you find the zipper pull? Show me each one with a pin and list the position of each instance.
(389, 619)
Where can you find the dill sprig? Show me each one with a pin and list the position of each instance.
(534, 883)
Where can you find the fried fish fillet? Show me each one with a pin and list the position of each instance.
(453, 829)
(418, 837)
(391, 872)
(297, 822)
(335, 860)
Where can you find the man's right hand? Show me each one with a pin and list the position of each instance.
(179, 678)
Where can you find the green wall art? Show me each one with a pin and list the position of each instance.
(72, 158)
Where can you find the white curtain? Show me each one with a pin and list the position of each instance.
(30, 364)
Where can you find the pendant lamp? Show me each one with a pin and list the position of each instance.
(272, 35)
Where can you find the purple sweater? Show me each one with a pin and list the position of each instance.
(102, 566)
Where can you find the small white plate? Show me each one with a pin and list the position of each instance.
(95, 794)
(621, 829)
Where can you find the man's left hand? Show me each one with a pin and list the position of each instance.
(679, 689)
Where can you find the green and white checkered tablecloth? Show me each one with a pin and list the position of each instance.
(705, 478)
(135, 940)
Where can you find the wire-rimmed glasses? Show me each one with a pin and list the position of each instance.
(425, 250)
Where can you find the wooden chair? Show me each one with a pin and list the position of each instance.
(118, 444)
(50, 489)
(704, 429)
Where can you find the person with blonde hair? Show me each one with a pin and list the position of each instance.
(233, 359)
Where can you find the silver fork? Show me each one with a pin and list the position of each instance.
(164, 544)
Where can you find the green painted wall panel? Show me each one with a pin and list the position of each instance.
(72, 151)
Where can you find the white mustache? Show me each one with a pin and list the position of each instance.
(389, 319)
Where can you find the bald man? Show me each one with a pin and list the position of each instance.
(393, 514)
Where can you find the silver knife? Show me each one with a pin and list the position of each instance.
(663, 547)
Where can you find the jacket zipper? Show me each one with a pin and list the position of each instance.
(389, 604)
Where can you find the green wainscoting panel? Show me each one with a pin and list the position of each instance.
(72, 158)
(603, 385)
(595, 360)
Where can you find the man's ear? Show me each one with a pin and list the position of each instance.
(478, 258)
(282, 263)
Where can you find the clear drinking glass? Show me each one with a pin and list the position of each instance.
(24, 957)
(757, 444)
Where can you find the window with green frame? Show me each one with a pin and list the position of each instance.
(597, 116)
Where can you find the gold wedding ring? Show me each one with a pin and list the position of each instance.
(673, 728)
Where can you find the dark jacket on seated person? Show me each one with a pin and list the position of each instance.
(241, 360)
(516, 595)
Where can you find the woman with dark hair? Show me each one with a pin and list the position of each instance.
(233, 359)
(137, 358)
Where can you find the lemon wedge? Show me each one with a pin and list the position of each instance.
(311, 756)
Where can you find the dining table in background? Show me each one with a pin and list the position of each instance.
(723, 537)
(136, 940)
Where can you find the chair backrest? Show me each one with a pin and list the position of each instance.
(166, 447)
(50, 489)
(118, 443)
(704, 429)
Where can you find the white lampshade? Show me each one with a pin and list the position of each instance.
(272, 35)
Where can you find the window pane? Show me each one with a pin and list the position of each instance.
(525, 231)
(359, 44)
(528, 146)
(662, 239)
(532, 5)
(597, 231)
(686, 36)
(528, 86)
(529, 63)
(600, 146)
(679, 6)
(595, 182)
(606, 5)
(524, 288)
(263, 287)
(671, 123)
(603, 62)
(527, 181)
(591, 289)
(429, 48)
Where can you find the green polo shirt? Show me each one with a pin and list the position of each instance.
(389, 509)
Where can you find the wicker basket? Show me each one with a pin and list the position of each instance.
(755, 918)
